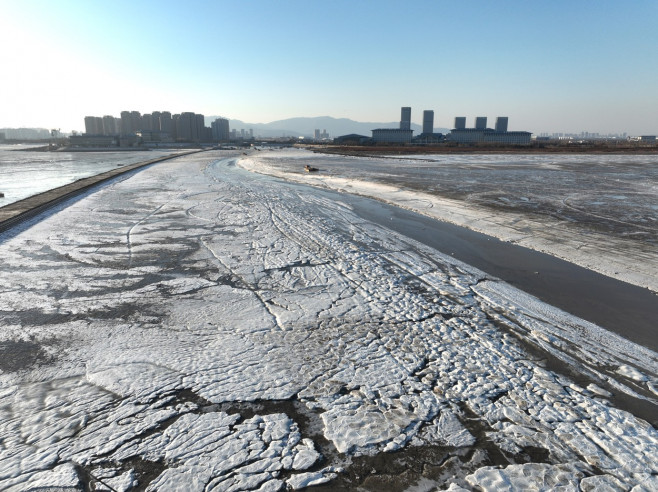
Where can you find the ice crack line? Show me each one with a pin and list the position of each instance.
(129, 242)
(253, 290)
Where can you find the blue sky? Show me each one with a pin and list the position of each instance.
(566, 66)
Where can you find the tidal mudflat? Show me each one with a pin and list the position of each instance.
(199, 327)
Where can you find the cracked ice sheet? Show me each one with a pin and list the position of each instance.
(196, 278)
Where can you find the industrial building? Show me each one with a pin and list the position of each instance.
(460, 134)
(482, 134)
(428, 136)
(93, 140)
(501, 124)
(475, 136)
(392, 135)
(352, 139)
(401, 135)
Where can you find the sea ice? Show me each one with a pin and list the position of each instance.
(368, 177)
(530, 476)
(182, 327)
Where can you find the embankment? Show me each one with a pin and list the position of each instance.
(15, 213)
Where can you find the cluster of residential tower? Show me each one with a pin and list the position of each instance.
(155, 127)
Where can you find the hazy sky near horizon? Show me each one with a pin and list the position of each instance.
(566, 66)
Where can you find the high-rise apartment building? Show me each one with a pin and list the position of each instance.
(131, 122)
(110, 125)
(480, 122)
(166, 123)
(155, 120)
(174, 126)
(93, 125)
(501, 124)
(147, 122)
(199, 133)
(126, 127)
(190, 127)
(185, 125)
(220, 130)
(428, 121)
(405, 118)
(460, 122)
(135, 121)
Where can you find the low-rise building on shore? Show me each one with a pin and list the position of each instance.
(483, 135)
(352, 139)
(392, 135)
(475, 136)
(101, 141)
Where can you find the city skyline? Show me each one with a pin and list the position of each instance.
(559, 67)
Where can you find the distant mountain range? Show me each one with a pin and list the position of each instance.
(305, 127)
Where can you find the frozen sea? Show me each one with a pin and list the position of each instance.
(25, 173)
(201, 327)
(597, 211)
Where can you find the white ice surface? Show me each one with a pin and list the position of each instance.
(530, 476)
(194, 283)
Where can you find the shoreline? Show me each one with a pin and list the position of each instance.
(607, 302)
